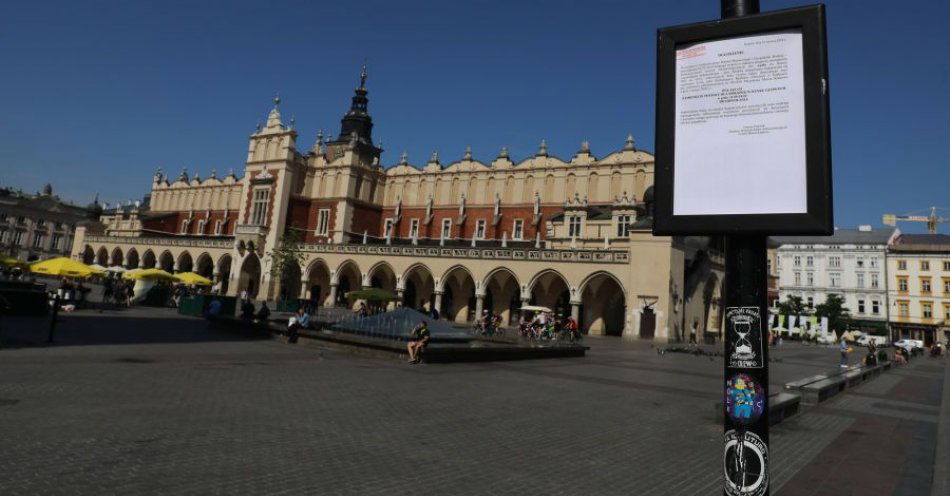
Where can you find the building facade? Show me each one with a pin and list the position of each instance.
(919, 287)
(40, 226)
(850, 263)
(464, 236)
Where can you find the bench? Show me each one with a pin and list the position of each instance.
(796, 385)
(819, 391)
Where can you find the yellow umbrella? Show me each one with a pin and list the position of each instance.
(12, 262)
(192, 279)
(148, 274)
(63, 266)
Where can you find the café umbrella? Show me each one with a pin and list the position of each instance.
(192, 279)
(148, 274)
(63, 267)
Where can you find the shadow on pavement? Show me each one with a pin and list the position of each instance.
(137, 325)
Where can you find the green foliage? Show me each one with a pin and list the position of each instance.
(286, 255)
(792, 306)
(839, 317)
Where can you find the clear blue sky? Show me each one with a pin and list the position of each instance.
(95, 95)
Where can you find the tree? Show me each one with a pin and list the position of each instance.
(839, 317)
(286, 256)
(791, 306)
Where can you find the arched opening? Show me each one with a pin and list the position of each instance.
(603, 305)
(148, 260)
(647, 322)
(205, 266)
(550, 289)
(419, 290)
(250, 277)
(318, 284)
(116, 257)
(185, 263)
(382, 276)
(224, 273)
(349, 278)
(166, 262)
(102, 257)
(88, 255)
(502, 294)
(132, 259)
(458, 297)
(290, 282)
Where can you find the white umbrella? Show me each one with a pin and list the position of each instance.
(536, 308)
(98, 267)
(116, 268)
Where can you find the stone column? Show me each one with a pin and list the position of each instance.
(438, 302)
(479, 303)
(576, 311)
(332, 295)
(304, 289)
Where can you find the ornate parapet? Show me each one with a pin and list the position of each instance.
(582, 256)
(162, 241)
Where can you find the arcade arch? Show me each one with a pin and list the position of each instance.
(224, 272)
(458, 294)
(348, 278)
(418, 288)
(116, 257)
(132, 259)
(88, 255)
(318, 283)
(603, 306)
(102, 257)
(148, 259)
(166, 262)
(550, 289)
(249, 278)
(502, 294)
(204, 266)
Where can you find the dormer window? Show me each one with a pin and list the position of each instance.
(218, 227)
(184, 226)
(574, 226)
(624, 225)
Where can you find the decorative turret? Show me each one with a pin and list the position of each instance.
(48, 190)
(358, 120)
(404, 158)
(628, 145)
(468, 153)
(503, 153)
(94, 208)
(184, 175)
(543, 149)
(273, 118)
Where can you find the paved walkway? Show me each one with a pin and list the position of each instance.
(142, 401)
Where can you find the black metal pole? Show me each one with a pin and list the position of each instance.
(52, 319)
(746, 349)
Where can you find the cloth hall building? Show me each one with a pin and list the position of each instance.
(463, 236)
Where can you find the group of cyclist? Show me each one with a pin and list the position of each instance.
(532, 326)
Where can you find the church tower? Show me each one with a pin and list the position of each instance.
(356, 131)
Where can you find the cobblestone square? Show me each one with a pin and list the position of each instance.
(143, 401)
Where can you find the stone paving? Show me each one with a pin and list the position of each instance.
(144, 402)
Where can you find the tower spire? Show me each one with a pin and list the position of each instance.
(363, 75)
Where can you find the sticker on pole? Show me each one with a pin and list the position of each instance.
(744, 338)
(745, 399)
(745, 464)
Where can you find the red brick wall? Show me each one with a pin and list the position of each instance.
(466, 231)
(367, 218)
(172, 223)
(250, 198)
(303, 213)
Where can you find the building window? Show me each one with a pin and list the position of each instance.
(184, 226)
(946, 286)
(17, 238)
(811, 301)
(414, 228)
(927, 309)
(480, 229)
(259, 206)
(946, 311)
(903, 309)
(574, 226)
(57, 239)
(797, 261)
(323, 222)
(446, 228)
(388, 228)
(874, 282)
(517, 229)
(873, 263)
(860, 280)
(834, 261)
(38, 239)
(624, 225)
(40, 223)
(21, 220)
(3, 235)
(3, 217)
(809, 261)
(58, 226)
(860, 263)
(902, 284)
(811, 279)
(798, 278)
(860, 306)
(902, 265)
(834, 279)
(875, 307)
(924, 265)
(201, 227)
(925, 285)
(218, 227)
(946, 266)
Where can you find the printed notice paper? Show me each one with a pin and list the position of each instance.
(740, 126)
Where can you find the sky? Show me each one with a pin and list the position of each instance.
(95, 96)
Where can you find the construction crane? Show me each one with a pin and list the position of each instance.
(932, 219)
